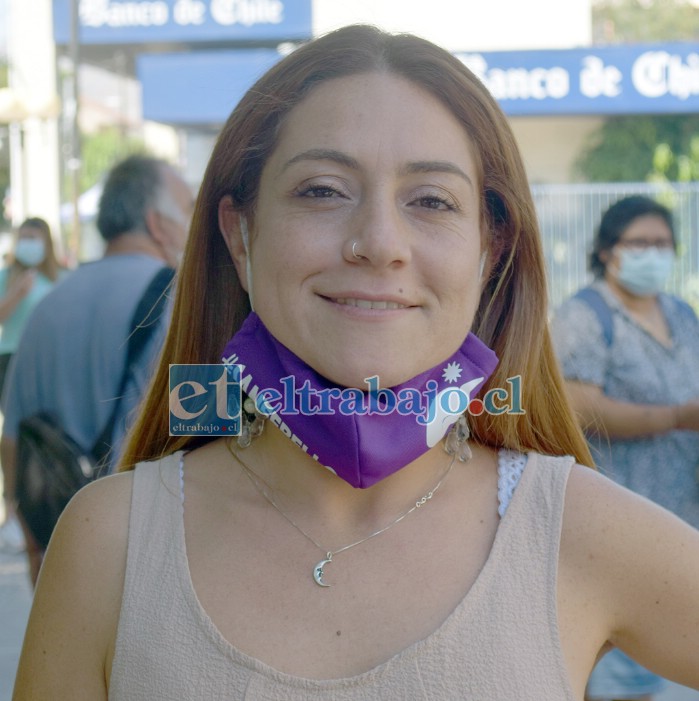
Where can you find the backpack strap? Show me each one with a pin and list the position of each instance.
(143, 323)
(596, 302)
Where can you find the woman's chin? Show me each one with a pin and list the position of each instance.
(369, 378)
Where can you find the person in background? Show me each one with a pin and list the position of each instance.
(630, 356)
(365, 215)
(72, 353)
(23, 283)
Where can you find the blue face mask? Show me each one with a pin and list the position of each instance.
(644, 273)
(30, 252)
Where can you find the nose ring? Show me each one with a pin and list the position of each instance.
(354, 251)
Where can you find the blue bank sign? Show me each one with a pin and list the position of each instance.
(636, 79)
(152, 21)
(660, 78)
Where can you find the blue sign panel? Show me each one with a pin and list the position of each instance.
(201, 87)
(651, 79)
(635, 79)
(151, 21)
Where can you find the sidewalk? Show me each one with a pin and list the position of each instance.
(15, 601)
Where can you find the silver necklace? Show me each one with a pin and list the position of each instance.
(318, 570)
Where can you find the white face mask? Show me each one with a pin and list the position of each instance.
(30, 252)
(644, 273)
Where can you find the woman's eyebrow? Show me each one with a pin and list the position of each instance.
(323, 154)
(343, 159)
(436, 167)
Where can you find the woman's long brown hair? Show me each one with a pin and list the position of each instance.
(210, 304)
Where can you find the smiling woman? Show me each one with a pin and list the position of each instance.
(397, 187)
(364, 225)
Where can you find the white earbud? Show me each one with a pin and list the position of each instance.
(248, 265)
(484, 257)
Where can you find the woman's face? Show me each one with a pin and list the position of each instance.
(641, 261)
(30, 232)
(642, 233)
(366, 241)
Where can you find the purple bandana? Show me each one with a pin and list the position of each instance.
(362, 435)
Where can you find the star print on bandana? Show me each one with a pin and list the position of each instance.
(452, 372)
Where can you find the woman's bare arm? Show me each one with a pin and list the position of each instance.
(639, 565)
(18, 288)
(72, 625)
(617, 419)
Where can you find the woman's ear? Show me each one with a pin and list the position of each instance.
(229, 222)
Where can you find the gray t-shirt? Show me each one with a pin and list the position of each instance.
(637, 368)
(72, 352)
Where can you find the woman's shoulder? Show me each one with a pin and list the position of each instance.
(615, 527)
(100, 510)
(88, 546)
(679, 308)
(77, 601)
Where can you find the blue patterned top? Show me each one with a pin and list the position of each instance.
(637, 368)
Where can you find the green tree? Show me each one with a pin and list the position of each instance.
(624, 21)
(101, 150)
(668, 167)
(624, 149)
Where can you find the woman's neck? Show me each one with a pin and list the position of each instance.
(300, 485)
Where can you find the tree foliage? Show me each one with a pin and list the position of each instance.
(624, 149)
(643, 147)
(638, 21)
(101, 150)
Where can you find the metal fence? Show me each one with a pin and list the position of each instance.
(570, 214)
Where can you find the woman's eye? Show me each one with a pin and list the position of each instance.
(319, 191)
(434, 202)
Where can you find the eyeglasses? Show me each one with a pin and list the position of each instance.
(645, 244)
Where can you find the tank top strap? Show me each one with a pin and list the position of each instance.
(154, 562)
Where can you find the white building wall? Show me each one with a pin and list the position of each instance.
(466, 25)
(34, 156)
(550, 145)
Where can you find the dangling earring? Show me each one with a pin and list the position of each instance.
(253, 423)
(456, 442)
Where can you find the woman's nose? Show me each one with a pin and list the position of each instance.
(379, 237)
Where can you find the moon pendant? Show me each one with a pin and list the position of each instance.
(318, 573)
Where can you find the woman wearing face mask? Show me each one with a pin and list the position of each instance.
(30, 275)
(630, 356)
(365, 218)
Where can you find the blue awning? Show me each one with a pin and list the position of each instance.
(201, 87)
